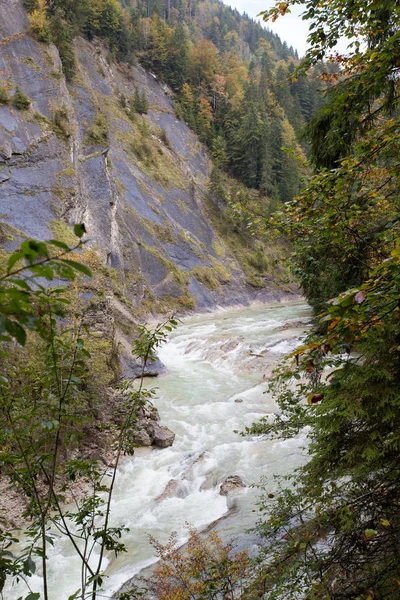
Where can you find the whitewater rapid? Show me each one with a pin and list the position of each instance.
(218, 365)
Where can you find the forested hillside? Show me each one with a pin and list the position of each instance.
(230, 76)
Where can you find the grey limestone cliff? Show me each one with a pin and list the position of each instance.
(139, 183)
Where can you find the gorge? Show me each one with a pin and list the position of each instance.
(164, 158)
(217, 370)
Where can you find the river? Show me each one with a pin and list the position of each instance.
(217, 369)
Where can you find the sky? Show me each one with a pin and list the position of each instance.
(290, 28)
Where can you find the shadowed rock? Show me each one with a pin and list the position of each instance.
(142, 438)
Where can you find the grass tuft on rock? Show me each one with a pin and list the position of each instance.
(20, 100)
(97, 133)
(4, 96)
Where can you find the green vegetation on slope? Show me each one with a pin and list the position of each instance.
(51, 406)
(231, 77)
(335, 533)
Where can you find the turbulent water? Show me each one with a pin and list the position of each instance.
(212, 361)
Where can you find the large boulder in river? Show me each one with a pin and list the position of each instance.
(142, 438)
(233, 483)
(162, 436)
(132, 367)
(147, 431)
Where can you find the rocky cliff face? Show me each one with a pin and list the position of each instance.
(139, 183)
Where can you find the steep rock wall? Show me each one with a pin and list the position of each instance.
(138, 183)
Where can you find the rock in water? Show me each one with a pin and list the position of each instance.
(210, 482)
(142, 438)
(170, 490)
(162, 436)
(231, 484)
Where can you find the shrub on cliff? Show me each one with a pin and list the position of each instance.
(97, 133)
(20, 100)
(139, 103)
(4, 96)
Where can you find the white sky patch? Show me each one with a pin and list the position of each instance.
(291, 28)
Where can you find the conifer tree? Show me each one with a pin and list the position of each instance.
(139, 102)
(178, 59)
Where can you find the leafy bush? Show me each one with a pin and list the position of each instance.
(206, 568)
(334, 531)
(31, 5)
(40, 25)
(46, 371)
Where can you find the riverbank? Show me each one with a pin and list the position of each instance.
(215, 382)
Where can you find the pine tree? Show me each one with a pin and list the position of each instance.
(178, 57)
(248, 143)
(139, 102)
(219, 153)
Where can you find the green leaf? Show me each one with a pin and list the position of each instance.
(79, 230)
(14, 258)
(16, 331)
(20, 283)
(370, 533)
(33, 596)
(59, 244)
(29, 566)
(77, 266)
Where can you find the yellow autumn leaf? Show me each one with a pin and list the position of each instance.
(333, 323)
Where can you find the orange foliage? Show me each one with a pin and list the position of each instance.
(205, 568)
(204, 62)
(205, 112)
